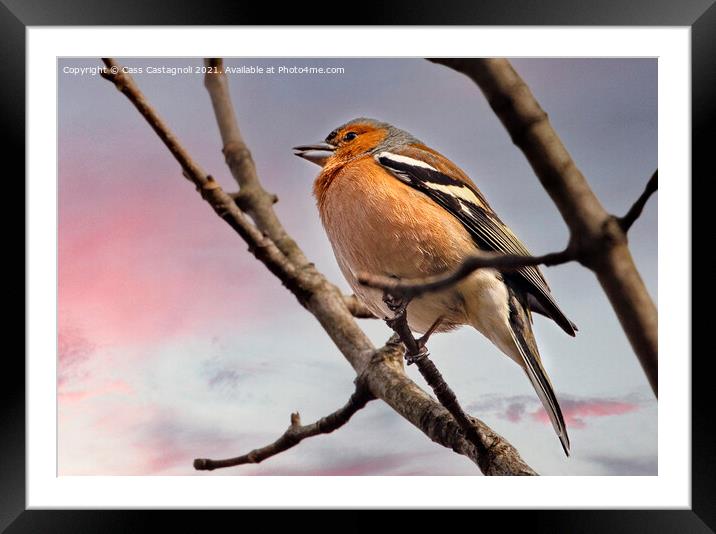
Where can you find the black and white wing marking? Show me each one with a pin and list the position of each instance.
(469, 206)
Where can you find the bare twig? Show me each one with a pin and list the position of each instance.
(357, 308)
(634, 212)
(503, 262)
(380, 369)
(295, 433)
(596, 237)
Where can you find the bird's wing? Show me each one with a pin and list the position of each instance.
(447, 185)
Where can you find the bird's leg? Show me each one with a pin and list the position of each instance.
(399, 323)
(423, 340)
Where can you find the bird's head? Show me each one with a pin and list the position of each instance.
(353, 139)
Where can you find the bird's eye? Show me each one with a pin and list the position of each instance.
(350, 136)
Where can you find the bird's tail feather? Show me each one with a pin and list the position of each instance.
(541, 383)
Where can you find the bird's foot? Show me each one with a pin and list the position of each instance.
(415, 349)
(398, 305)
(421, 344)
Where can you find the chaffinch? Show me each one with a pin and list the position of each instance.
(393, 206)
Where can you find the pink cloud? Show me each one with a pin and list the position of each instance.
(514, 412)
(165, 458)
(109, 388)
(73, 349)
(75, 380)
(166, 443)
(348, 467)
(142, 259)
(577, 411)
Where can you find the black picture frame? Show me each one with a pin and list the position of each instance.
(700, 15)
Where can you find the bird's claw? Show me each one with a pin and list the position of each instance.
(410, 358)
(417, 350)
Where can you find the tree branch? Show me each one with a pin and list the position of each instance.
(634, 212)
(295, 433)
(596, 237)
(504, 262)
(381, 370)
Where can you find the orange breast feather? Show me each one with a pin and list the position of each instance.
(379, 225)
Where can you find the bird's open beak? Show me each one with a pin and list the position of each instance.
(317, 153)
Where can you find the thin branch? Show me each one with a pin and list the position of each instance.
(504, 262)
(494, 455)
(114, 72)
(222, 203)
(634, 212)
(295, 434)
(252, 197)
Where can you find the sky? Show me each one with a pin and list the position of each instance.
(175, 343)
